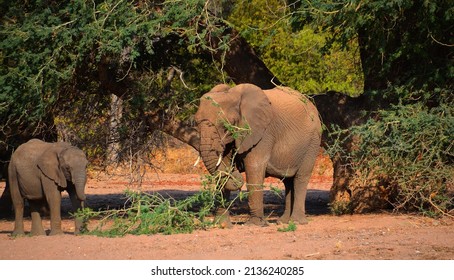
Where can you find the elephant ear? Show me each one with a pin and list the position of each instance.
(255, 114)
(50, 166)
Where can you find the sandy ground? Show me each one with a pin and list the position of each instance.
(326, 237)
(374, 236)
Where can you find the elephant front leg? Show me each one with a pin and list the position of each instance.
(255, 202)
(79, 223)
(255, 176)
(222, 212)
(53, 197)
(37, 225)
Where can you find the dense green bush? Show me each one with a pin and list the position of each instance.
(145, 213)
(59, 60)
(300, 58)
(408, 152)
(401, 42)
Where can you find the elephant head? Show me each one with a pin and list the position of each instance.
(231, 120)
(65, 164)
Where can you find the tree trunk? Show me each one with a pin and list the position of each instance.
(343, 111)
(241, 62)
(116, 112)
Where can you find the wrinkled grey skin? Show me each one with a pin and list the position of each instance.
(283, 142)
(39, 172)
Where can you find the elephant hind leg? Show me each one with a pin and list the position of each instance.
(289, 189)
(300, 186)
(18, 201)
(298, 206)
(19, 217)
(37, 226)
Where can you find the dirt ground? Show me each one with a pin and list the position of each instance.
(373, 236)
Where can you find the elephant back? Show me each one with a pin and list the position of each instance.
(293, 106)
(26, 155)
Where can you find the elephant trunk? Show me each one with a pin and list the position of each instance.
(210, 147)
(211, 158)
(77, 194)
(79, 184)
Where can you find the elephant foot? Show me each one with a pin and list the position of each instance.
(56, 232)
(283, 220)
(17, 233)
(223, 218)
(80, 228)
(257, 221)
(37, 232)
(300, 220)
(225, 222)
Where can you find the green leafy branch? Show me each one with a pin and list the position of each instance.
(407, 151)
(145, 213)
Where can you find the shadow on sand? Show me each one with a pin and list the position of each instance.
(316, 204)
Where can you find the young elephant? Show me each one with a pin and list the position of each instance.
(39, 172)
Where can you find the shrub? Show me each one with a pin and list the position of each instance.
(408, 152)
(146, 213)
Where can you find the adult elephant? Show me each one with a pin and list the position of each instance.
(282, 133)
(39, 172)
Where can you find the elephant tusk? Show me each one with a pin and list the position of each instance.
(219, 160)
(197, 161)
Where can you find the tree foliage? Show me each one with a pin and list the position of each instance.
(299, 58)
(61, 60)
(398, 145)
(402, 42)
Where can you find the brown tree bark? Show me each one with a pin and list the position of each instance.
(242, 63)
(116, 113)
